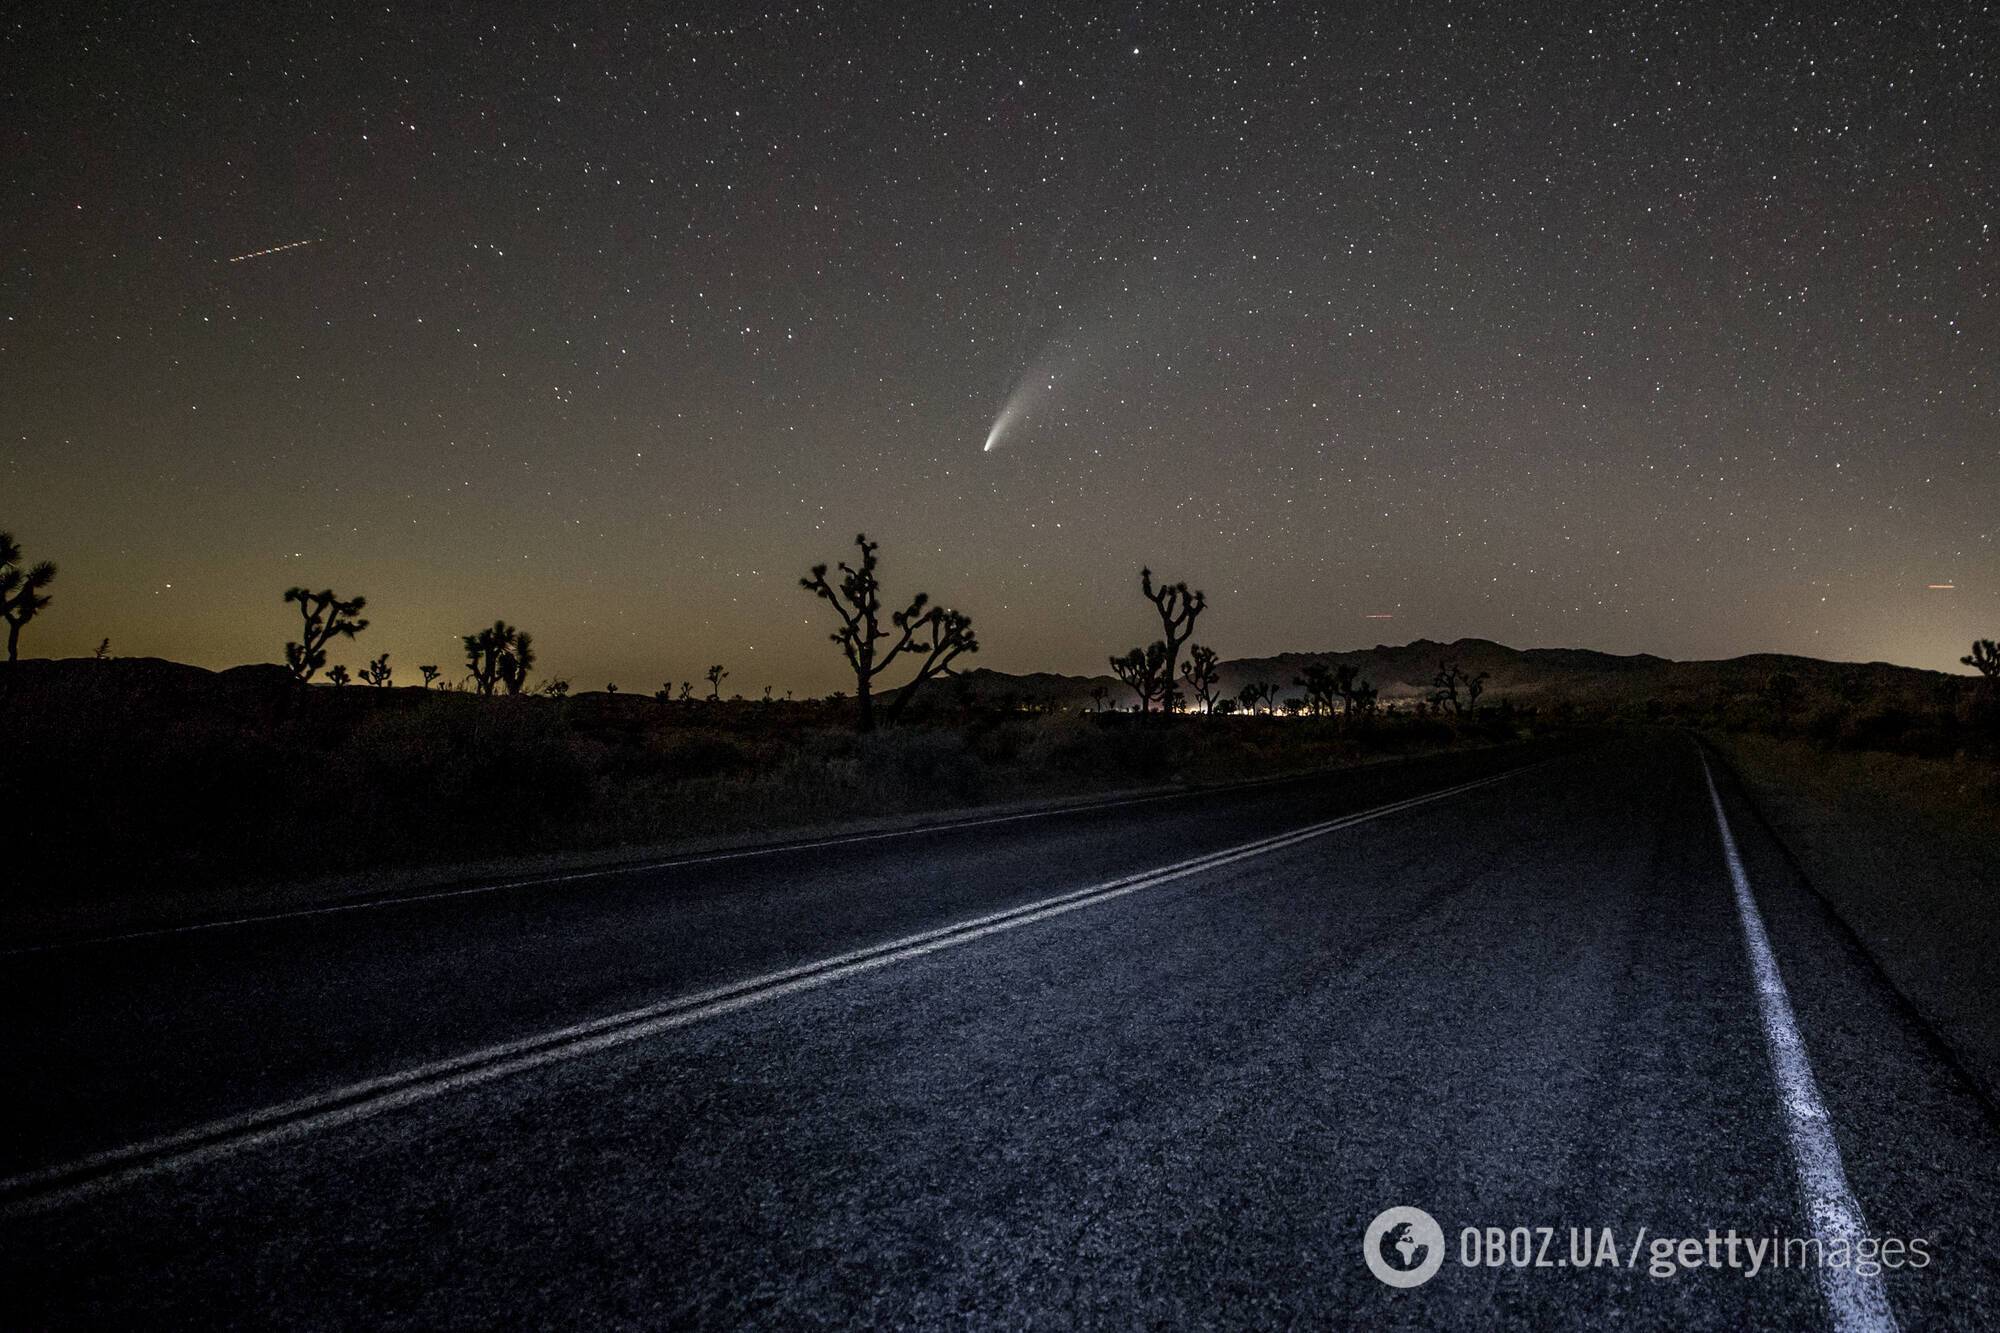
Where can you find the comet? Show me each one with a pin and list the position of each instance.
(1037, 384)
(1013, 410)
(272, 250)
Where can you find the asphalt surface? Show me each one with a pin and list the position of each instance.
(1525, 1003)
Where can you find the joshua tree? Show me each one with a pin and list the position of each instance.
(950, 634)
(1098, 694)
(715, 676)
(377, 672)
(687, 690)
(1343, 685)
(935, 634)
(326, 618)
(430, 674)
(1178, 608)
(1255, 693)
(1201, 675)
(1450, 679)
(1145, 670)
(1363, 698)
(515, 664)
(1318, 683)
(103, 648)
(21, 595)
(338, 675)
(1445, 687)
(500, 655)
(1984, 658)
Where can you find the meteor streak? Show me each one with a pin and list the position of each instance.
(254, 254)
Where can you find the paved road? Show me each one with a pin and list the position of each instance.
(1187, 1051)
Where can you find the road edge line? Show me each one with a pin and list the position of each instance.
(1856, 1304)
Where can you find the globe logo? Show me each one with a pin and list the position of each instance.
(1403, 1246)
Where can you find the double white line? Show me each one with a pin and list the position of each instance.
(103, 1171)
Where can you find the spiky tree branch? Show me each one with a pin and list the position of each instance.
(1202, 675)
(21, 595)
(1318, 683)
(950, 635)
(938, 635)
(1178, 608)
(1985, 659)
(326, 617)
(1145, 671)
(490, 655)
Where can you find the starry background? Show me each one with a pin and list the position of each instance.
(1668, 328)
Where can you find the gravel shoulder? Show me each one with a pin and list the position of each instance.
(1907, 852)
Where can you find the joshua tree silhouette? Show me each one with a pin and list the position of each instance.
(1201, 674)
(1318, 683)
(1984, 658)
(21, 595)
(326, 617)
(1343, 685)
(936, 634)
(515, 663)
(430, 673)
(498, 656)
(1145, 670)
(377, 672)
(1450, 679)
(715, 676)
(1178, 608)
(1255, 693)
(338, 676)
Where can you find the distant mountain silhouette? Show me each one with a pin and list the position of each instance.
(1401, 672)
(1525, 675)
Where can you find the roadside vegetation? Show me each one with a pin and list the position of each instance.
(118, 770)
(1907, 851)
(136, 769)
(1890, 801)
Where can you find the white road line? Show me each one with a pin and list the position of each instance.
(638, 867)
(1857, 1304)
(98, 1172)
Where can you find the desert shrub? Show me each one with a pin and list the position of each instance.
(705, 754)
(465, 775)
(925, 766)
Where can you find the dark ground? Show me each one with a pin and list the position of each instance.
(1527, 1003)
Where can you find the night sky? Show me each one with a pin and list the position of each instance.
(1670, 329)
